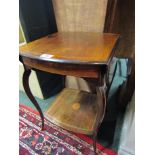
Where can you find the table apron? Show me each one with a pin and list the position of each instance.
(64, 69)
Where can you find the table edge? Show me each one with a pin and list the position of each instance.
(78, 62)
(54, 60)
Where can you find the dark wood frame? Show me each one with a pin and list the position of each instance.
(87, 70)
(101, 88)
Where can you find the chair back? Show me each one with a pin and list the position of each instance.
(80, 15)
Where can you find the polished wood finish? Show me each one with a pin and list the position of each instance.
(110, 15)
(75, 110)
(123, 22)
(65, 69)
(79, 54)
(26, 76)
(68, 47)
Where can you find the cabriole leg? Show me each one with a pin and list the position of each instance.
(26, 75)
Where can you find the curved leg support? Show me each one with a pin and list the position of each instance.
(26, 75)
(101, 95)
(94, 142)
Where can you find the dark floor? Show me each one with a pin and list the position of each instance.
(109, 132)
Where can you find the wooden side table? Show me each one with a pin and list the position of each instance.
(79, 54)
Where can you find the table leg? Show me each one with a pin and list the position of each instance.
(26, 75)
(101, 94)
(94, 142)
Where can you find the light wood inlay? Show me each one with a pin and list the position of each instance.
(74, 110)
(77, 47)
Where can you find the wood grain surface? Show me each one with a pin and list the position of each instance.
(74, 110)
(77, 47)
(63, 69)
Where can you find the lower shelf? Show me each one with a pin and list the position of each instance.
(74, 110)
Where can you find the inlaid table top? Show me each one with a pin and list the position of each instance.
(72, 47)
(79, 54)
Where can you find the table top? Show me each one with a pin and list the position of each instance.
(72, 47)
